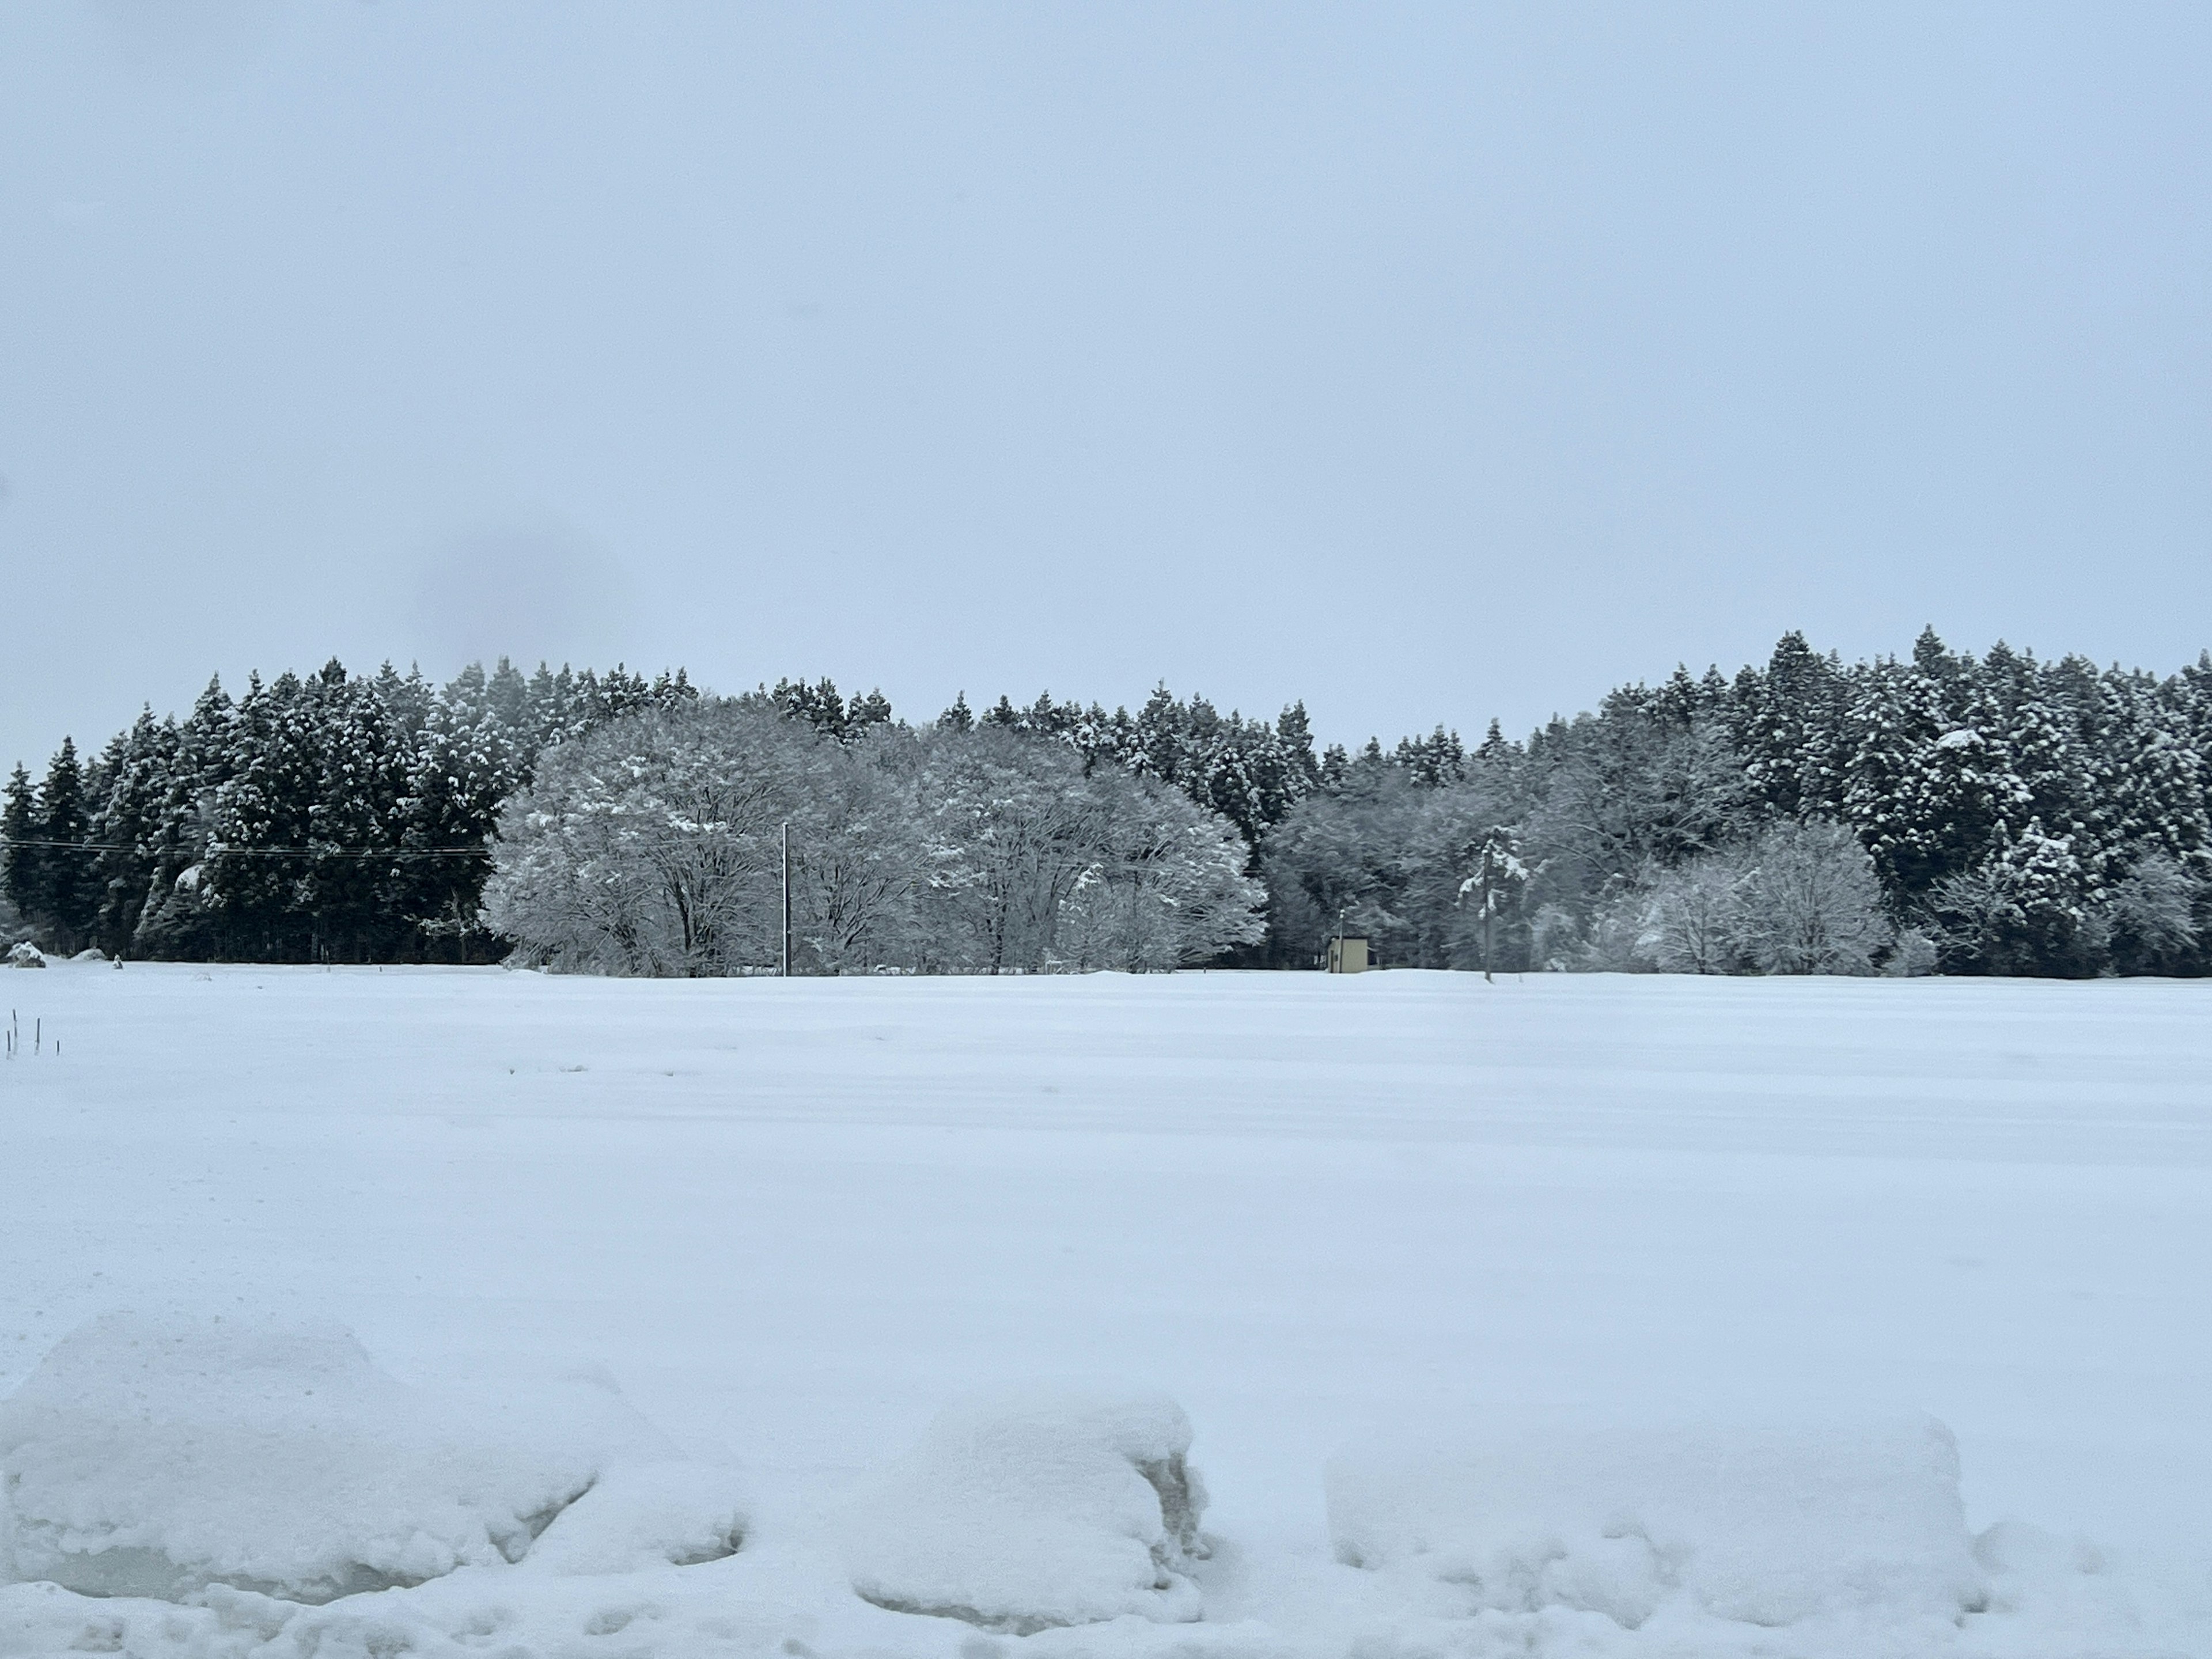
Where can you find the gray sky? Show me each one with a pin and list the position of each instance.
(1427, 363)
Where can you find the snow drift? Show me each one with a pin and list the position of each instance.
(1766, 1525)
(155, 1458)
(1018, 1513)
(638, 1517)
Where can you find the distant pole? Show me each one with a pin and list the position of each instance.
(784, 970)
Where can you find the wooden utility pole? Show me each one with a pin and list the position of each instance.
(784, 969)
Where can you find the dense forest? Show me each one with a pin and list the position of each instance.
(1941, 812)
(328, 818)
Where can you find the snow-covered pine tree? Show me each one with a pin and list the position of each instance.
(128, 822)
(1158, 752)
(2157, 793)
(818, 705)
(362, 770)
(507, 694)
(19, 826)
(1496, 879)
(1434, 761)
(254, 883)
(1295, 742)
(2054, 774)
(175, 919)
(551, 705)
(464, 765)
(66, 896)
(872, 708)
(1788, 727)
(2021, 911)
(1901, 785)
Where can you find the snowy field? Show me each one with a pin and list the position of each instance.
(1580, 1316)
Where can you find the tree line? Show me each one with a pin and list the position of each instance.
(1939, 812)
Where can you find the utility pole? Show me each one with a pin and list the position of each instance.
(785, 970)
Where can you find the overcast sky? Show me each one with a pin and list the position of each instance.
(1427, 363)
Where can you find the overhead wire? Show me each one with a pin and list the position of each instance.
(260, 852)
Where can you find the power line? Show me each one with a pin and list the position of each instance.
(262, 852)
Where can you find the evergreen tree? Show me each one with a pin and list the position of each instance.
(1294, 736)
(1786, 729)
(65, 899)
(406, 699)
(1157, 751)
(818, 705)
(507, 696)
(1434, 762)
(361, 765)
(175, 919)
(872, 709)
(19, 826)
(128, 825)
(1496, 877)
(258, 809)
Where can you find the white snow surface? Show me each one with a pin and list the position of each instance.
(1625, 1315)
(1027, 1511)
(1763, 1525)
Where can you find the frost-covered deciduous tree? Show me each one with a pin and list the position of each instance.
(1012, 824)
(652, 846)
(857, 849)
(2150, 921)
(1695, 922)
(1036, 862)
(1801, 898)
(1809, 901)
(1167, 887)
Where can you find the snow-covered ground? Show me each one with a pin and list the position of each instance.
(1586, 1314)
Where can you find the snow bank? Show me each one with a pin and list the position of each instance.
(1766, 1525)
(154, 1458)
(1021, 1513)
(640, 1516)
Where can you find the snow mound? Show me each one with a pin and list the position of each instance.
(645, 1516)
(26, 955)
(154, 1458)
(1768, 1526)
(1020, 1513)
